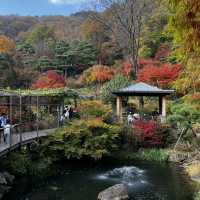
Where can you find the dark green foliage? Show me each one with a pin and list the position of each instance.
(84, 138)
(75, 57)
(31, 162)
(184, 115)
(95, 109)
(8, 75)
(39, 34)
(118, 82)
(26, 48)
(44, 64)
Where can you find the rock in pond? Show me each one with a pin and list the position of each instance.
(116, 192)
(9, 178)
(2, 179)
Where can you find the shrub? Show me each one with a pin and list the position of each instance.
(146, 133)
(151, 133)
(49, 80)
(158, 155)
(93, 109)
(84, 138)
(197, 196)
(118, 82)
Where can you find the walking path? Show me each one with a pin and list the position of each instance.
(27, 137)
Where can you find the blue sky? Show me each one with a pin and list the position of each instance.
(42, 7)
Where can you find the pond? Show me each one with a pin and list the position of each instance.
(145, 181)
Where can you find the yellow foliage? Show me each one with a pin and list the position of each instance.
(189, 80)
(7, 46)
(91, 109)
(193, 169)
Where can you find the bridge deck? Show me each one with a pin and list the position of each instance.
(26, 138)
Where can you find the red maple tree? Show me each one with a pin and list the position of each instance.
(161, 76)
(147, 133)
(48, 80)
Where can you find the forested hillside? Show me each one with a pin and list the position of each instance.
(70, 45)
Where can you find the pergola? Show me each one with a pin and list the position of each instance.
(142, 89)
(18, 100)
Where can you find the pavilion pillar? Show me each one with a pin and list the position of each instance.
(119, 107)
(162, 108)
(141, 102)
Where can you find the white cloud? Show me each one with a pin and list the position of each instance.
(68, 1)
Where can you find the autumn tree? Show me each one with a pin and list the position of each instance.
(125, 20)
(42, 38)
(98, 74)
(96, 33)
(161, 76)
(7, 46)
(8, 75)
(189, 80)
(48, 80)
(184, 26)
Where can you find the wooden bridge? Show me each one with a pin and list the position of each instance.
(18, 140)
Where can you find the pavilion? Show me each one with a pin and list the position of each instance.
(141, 90)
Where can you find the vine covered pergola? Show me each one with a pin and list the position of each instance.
(16, 103)
(142, 90)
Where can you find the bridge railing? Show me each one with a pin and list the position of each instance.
(20, 133)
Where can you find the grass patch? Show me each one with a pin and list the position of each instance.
(197, 196)
(157, 155)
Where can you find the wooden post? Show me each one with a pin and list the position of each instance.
(20, 118)
(11, 112)
(58, 115)
(119, 108)
(162, 108)
(141, 102)
(37, 119)
(160, 105)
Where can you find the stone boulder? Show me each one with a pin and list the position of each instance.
(2, 179)
(116, 192)
(9, 178)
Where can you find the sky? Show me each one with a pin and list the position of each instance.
(42, 7)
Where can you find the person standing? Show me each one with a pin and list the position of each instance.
(7, 131)
(70, 112)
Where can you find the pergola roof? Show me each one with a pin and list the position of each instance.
(142, 89)
(41, 93)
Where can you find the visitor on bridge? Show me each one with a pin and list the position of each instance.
(66, 112)
(7, 131)
(3, 119)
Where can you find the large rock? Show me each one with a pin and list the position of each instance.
(2, 179)
(9, 178)
(3, 190)
(116, 192)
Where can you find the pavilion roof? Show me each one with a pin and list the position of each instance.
(142, 89)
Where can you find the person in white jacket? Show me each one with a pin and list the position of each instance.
(7, 131)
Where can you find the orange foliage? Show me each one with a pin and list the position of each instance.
(7, 46)
(48, 80)
(102, 73)
(144, 62)
(127, 69)
(161, 76)
(98, 74)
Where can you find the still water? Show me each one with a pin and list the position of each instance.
(145, 181)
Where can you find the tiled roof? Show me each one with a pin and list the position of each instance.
(142, 88)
